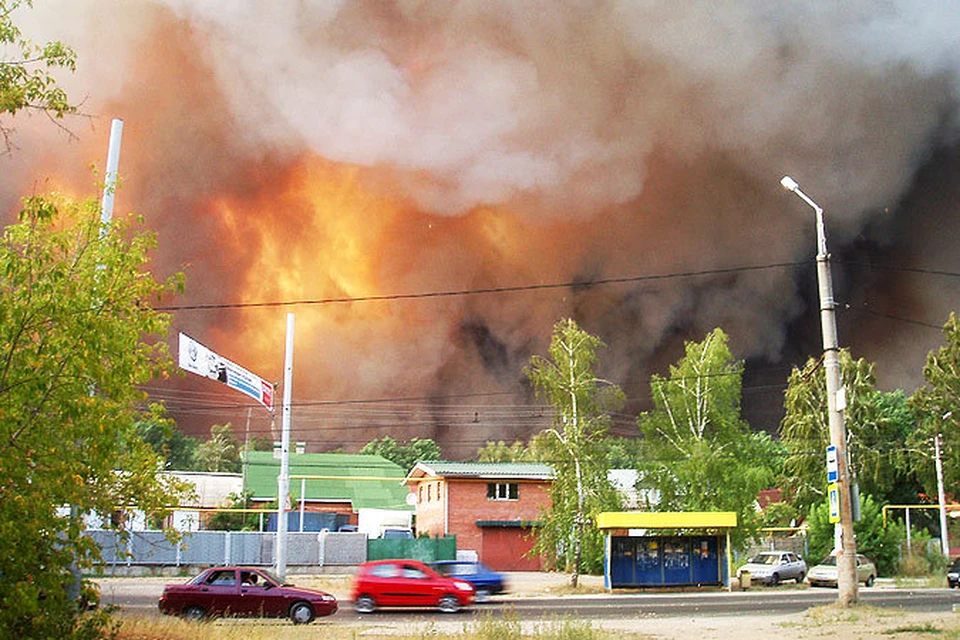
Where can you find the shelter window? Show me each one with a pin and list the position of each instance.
(503, 491)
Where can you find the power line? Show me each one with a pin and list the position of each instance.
(574, 284)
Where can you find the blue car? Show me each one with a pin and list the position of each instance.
(485, 581)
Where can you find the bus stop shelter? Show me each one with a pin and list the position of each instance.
(666, 549)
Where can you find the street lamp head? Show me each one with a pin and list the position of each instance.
(789, 183)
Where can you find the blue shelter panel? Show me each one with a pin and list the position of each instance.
(677, 567)
(705, 559)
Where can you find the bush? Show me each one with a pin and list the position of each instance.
(878, 542)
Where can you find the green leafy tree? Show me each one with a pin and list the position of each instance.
(177, 450)
(879, 542)
(220, 453)
(405, 455)
(79, 339)
(500, 451)
(877, 426)
(539, 449)
(937, 407)
(580, 488)
(26, 81)
(236, 520)
(700, 454)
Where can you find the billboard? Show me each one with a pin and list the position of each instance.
(196, 358)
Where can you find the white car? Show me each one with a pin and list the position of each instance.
(773, 567)
(825, 573)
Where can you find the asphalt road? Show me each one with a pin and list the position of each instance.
(133, 595)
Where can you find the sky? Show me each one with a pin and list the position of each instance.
(361, 157)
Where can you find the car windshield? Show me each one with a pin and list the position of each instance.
(273, 577)
(766, 558)
(830, 561)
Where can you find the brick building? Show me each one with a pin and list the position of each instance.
(491, 507)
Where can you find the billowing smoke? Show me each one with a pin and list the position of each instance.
(355, 149)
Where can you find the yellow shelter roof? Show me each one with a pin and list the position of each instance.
(667, 520)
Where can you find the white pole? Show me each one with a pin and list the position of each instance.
(110, 175)
(944, 541)
(303, 489)
(283, 480)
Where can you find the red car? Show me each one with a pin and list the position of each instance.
(407, 583)
(244, 591)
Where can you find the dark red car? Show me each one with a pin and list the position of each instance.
(244, 591)
(407, 583)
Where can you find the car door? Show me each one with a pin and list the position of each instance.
(219, 593)
(421, 588)
(258, 595)
(793, 568)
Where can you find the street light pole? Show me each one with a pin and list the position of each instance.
(944, 539)
(847, 560)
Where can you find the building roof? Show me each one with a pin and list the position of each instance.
(211, 489)
(364, 481)
(481, 470)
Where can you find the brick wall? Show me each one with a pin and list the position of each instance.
(468, 503)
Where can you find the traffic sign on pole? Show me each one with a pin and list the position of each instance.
(833, 469)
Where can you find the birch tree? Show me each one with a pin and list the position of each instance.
(699, 453)
(580, 488)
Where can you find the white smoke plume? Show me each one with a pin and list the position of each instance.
(499, 143)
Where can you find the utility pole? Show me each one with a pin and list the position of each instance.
(944, 538)
(847, 546)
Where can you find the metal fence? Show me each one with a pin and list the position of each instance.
(152, 548)
(209, 548)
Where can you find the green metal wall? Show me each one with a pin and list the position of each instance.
(423, 549)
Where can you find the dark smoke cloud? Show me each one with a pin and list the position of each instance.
(502, 143)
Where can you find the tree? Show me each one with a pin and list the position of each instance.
(176, 449)
(700, 454)
(78, 339)
(404, 455)
(877, 425)
(878, 541)
(937, 408)
(580, 488)
(25, 78)
(220, 453)
(539, 449)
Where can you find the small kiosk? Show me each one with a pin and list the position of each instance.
(667, 549)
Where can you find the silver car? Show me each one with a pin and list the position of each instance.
(825, 573)
(773, 567)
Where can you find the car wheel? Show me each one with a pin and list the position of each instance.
(365, 604)
(800, 578)
(194, 613)
(868, 582)
(774, 580)
(449, 604)
(301, 612)
(482, 595)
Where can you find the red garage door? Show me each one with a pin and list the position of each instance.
(505, 549)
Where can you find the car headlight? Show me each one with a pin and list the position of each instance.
(464, 586)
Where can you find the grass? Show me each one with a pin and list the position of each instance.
(481, 627)
(914, 628)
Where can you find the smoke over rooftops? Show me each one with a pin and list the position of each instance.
(307, 150)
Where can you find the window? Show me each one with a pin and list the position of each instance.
(503, 491)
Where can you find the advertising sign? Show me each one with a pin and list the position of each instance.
(833, 496)
(196, 358)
